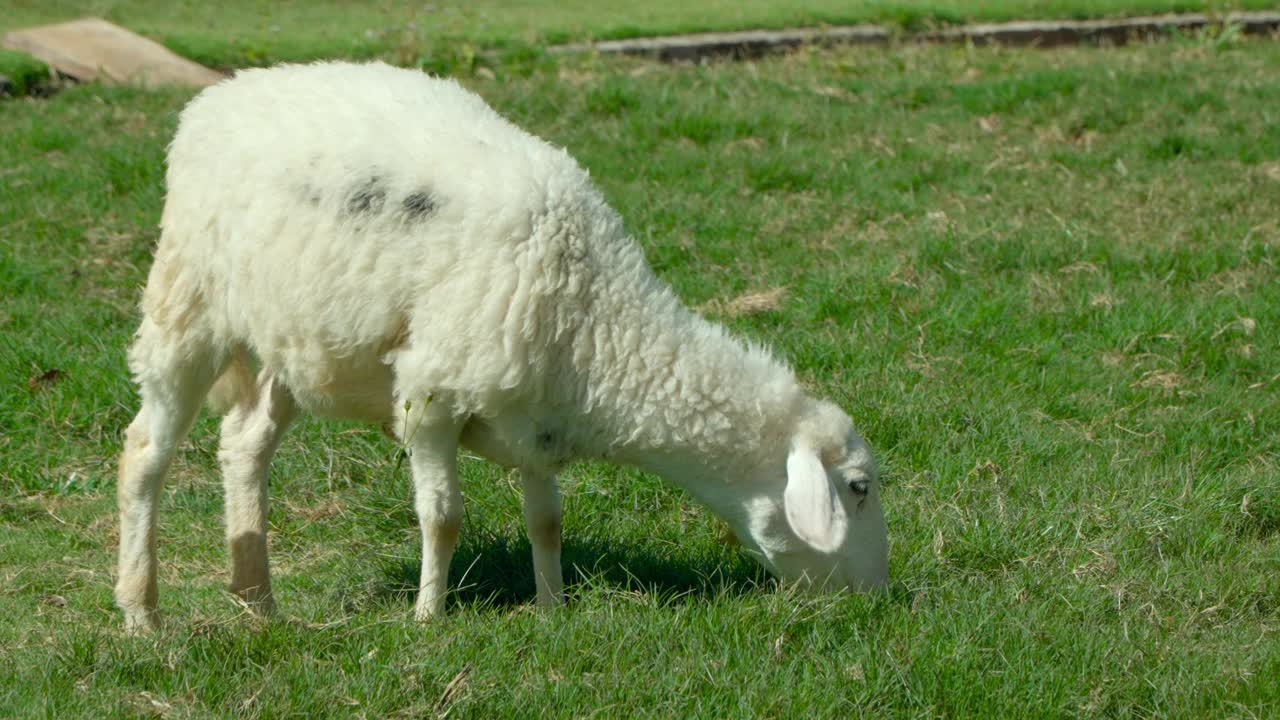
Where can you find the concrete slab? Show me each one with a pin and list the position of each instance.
(753, 43)
(740, 44)
(93, 49)
(1051, 33)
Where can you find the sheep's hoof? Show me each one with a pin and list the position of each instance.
(141, 622)
(258, 614)
(549, 603)
(257, 603)
(428, 611)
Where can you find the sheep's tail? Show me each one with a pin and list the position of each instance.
(235, 386)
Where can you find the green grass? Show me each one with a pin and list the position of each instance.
(246, 32)
(1044, 284)
(24, 72)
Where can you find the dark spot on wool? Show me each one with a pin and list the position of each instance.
(367, 198)
(307, 193)
(418, 206)
(546, 441)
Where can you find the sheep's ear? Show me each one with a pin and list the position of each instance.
(813, 510)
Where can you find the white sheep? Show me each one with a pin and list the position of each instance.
(386, 247)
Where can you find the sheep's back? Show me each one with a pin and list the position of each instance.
(326, 216)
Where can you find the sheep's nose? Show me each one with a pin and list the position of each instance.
(873, 583)
(872, 577)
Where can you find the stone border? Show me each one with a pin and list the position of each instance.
(1047, 33)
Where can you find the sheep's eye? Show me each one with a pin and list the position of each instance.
(860, 487)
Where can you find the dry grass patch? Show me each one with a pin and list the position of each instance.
(752, 302)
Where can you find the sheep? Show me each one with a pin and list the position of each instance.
(383, 246)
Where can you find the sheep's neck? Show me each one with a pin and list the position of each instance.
(669, 392)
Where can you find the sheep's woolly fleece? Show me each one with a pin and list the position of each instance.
(408, 242)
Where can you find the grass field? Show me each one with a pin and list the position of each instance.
(247, 32)
(1044, 284)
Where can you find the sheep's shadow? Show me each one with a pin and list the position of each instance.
(498, 571)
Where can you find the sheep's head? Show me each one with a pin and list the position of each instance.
(822, 525)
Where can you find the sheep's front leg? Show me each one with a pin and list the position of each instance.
(433, 452)
(542, 521)
(250, 434)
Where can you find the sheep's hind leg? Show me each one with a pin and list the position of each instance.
(251, 431)
(542, 522)
(432, 440)
(171, 398)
